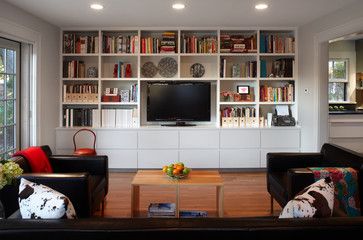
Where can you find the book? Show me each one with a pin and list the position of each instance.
(192, 213)
(165, 208)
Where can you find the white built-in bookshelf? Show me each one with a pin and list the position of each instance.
(264, 59)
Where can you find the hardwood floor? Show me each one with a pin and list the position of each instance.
(245, 195)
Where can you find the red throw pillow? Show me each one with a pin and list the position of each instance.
(37, 159)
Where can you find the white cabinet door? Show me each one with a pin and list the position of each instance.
(200, 158)
(267, 150)
(156, 158)
(199, 139)
(280, 138)
(158, 139)
(240, 158)
(120, 158)
(247, 138)
(116, 139)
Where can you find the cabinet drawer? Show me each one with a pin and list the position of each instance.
(240, 158)
(200, 158)
(265, 151)
(280, 138)
(158, 139)
(346, 130)
(199, 139)
(116, 139)
(240, 138)
(156, 158)
(120, 158)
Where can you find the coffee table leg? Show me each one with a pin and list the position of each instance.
(135, 200)
(219, 199)
(177, 200)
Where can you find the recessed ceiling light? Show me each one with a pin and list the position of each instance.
(261, 6)
(178, 6)
(96, 6)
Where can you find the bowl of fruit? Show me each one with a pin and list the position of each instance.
(176, 170)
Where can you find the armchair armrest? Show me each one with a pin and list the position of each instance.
(94, 165)
(76, 186)
(297, 180)
(281, 162)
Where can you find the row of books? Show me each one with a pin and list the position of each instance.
(122, 70)
(238, 112)
(277, 68)
(277, 94)
(243, 122)
(120, 44)
(78, 117)
(277, 44)
(74, 69)
(167, 44)
(80, 93)
(194, 44)
(238, 44)
(245, 69)
(160, 210)
(119, 118)
(80, 44)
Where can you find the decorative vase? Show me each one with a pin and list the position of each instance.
(92, 72)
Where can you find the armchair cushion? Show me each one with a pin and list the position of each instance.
(37, 159)
(38, 201)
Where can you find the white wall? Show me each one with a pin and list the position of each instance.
(346, 50)
(49, 75)
(308, 102)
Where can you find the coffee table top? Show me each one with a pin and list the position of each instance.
(195, 177)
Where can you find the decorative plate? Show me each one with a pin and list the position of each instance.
(149, 70)
(168, 67)
(197, 70)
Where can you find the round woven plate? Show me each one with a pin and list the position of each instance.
(149, 70)
(197, 70)
(168, 67)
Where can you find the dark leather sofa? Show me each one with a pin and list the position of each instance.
(210, 228)
(287, 173)
(84, 179)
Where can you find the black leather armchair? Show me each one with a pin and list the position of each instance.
(84, 179)
(287, 173)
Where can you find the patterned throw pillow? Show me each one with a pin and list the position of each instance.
(37, 201)
(316, 201)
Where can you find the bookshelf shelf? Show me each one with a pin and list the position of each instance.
(119, 103)
(231, 58)
(237, 103)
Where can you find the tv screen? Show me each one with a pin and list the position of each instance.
(178, 101)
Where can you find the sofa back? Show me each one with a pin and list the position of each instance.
(184, 228)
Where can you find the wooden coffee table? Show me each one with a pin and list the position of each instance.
(158, 178)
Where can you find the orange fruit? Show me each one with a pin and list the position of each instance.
(179, 168)
(176, 172)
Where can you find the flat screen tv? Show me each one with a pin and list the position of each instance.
(178, 102)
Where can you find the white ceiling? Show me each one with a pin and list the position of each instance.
(202, 13)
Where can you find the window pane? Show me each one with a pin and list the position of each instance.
(10, 86)
(2, 60)
(10, 61)
(2, 113)
(9, 154)
(2, 86)
(10, 112)
(339, 69)
(2, 140)
(336, 91)
(10, 140)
